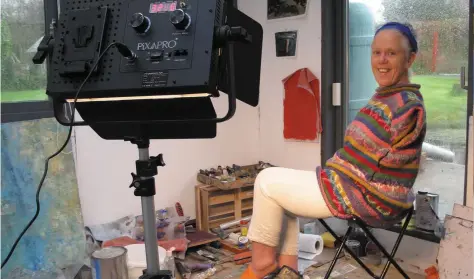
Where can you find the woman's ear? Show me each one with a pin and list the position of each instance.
(411, 58)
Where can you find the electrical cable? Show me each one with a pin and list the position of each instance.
(46, 163)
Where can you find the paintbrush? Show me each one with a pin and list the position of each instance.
(183, 270)
(198, 257)
(217, 251)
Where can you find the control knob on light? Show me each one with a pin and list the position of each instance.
(180, 19)
(140, 23)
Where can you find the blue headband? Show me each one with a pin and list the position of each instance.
(405, 30)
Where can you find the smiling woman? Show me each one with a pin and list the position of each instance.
(370, 177)
(442, 32)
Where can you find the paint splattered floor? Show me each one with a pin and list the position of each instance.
(344, 269)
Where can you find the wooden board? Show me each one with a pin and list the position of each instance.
(227, 245)
(455, 249)
(200, 238)
(463, 212)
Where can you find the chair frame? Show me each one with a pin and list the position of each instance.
(363, 226)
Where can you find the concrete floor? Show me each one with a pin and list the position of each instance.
(349, 269)
(354, 271)
(444, 179)
(344, 269)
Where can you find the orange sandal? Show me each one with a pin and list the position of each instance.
(248, 274)
(280, 273)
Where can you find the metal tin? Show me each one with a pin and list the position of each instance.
(426, 216)
(109, 263)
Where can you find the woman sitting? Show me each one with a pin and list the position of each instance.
(371, 176)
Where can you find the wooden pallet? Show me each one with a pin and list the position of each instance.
(215, 206)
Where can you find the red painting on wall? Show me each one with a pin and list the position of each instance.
(301, 106)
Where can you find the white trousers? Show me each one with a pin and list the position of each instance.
(280, 196)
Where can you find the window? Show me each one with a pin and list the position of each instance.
(23, 84)
(29, 135)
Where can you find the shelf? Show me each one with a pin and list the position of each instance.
(417, 233)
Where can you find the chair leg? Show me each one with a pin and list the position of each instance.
(397, 244)
(343, 244)
(338, 252)
(390, 257)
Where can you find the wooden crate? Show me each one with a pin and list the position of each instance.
(215, 206)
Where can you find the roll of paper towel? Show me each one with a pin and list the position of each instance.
(310, 246)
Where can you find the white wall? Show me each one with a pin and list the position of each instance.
(104, 167)
(273, 147)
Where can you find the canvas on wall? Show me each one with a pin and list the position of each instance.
(56, 239)
(302, 107)
(282, 9)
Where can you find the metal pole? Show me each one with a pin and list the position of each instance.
(149, 223)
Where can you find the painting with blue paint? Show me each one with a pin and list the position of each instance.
(56, 239)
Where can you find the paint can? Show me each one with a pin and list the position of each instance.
(109, 263)
(426, 211)
(242, 242)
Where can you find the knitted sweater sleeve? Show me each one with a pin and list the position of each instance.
(366, 142)
(400, 166)
(408, 126)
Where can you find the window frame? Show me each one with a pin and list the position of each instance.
(25, 111)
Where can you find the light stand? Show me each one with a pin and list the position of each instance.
(144, 183)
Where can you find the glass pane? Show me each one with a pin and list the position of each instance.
(56, 239)
(22, 28)
(443, 35)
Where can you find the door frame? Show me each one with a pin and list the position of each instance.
(334, 70)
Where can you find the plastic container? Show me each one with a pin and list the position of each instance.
(169, 262)
(354, 246)
(244, 227)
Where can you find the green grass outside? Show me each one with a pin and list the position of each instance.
(444, 109)
(22, 96)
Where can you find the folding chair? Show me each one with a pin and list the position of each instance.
(364, 227)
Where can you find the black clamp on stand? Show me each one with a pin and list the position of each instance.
(45, 47)
(144, 183)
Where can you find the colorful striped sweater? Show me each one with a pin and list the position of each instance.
(372, 175)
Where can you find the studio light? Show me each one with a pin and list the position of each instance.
(138, 70)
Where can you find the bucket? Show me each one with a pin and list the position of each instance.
(109, 263)
(136, 259)
(426, 211)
